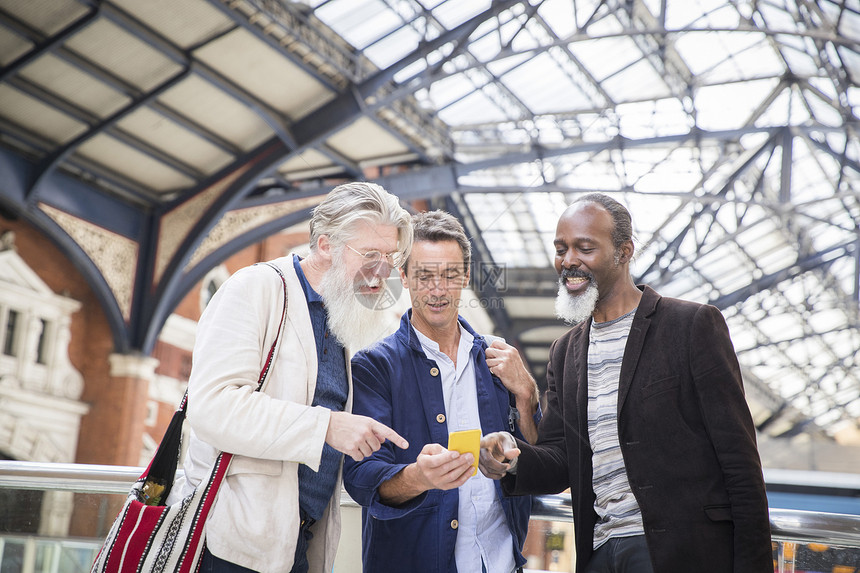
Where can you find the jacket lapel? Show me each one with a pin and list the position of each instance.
(579, 361)
(299, 318)
(635, 342)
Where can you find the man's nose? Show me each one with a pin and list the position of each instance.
(437, 285)
(382, 269)
(570, 260)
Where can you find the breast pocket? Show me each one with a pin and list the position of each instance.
(660, 386)
(719, 512)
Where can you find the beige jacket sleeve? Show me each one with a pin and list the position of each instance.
(234, 335)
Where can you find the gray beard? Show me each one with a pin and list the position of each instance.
(575, 309)
(352, 317)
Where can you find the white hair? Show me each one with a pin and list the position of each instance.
(574, 309)
(348, 204)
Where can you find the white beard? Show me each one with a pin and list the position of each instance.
(352, 317)
(574, 309)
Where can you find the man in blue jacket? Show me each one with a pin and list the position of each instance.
(424, 511)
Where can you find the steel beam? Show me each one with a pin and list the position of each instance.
(52, 161)
(45, 45)
(80, 200)
(294, 25)
(820, 259)
(178, 289)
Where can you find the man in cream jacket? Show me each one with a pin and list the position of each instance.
(278, 509)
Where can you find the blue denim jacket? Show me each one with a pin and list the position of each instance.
(394, 382)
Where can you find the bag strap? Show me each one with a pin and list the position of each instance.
(272, 351)
(157, 480)
(275, 343)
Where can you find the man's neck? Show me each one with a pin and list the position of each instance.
(618, 303)
(447, 338)
(313, 269)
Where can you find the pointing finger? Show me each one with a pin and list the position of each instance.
(383, 432)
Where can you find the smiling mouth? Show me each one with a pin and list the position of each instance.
(372, 286)
(575, 281)
(437, 305)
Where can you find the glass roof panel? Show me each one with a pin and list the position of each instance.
(606, 56)
(849, 20)
(752, 59)
(702, 51)
(721, 124)
(636, 82)
(687, 128)
(730, 106)
(545, 88)
(393, 47)
(697, 13)
(475, 107)
(453, 88)
(359, 22)
(652, 118)
(850, 60)
(797, 59)
(451, 14)
(558, 16)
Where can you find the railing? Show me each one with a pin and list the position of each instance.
(803, 539)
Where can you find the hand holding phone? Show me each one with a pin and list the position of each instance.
(466, 441)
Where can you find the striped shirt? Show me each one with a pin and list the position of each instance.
(618, 513)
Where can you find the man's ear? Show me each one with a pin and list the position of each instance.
(324, 247)
(404, 280)
(626, 254)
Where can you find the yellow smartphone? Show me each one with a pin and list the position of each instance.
(466, 441)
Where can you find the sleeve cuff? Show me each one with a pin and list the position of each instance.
(379, 510)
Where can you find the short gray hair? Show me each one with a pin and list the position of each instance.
(622, 223)
(348, 204)
(437, 226)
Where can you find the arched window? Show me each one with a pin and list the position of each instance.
(211, 283)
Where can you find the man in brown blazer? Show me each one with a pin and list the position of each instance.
(646, 420)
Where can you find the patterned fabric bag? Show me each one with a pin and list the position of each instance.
(148, 536)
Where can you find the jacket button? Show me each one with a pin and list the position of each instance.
(440, 418)
(455, 524)
(434, 371)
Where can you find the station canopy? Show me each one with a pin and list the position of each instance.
(728, 128)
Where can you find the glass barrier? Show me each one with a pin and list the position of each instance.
(53, 518)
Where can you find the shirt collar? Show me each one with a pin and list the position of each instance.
(466, 338)
(310, 294)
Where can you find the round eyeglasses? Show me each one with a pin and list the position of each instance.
(372, 258)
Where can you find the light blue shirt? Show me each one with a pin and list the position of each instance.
(482, 529)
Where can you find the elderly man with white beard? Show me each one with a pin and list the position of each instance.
(278, 509)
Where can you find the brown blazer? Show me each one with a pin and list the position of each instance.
(686, 435)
